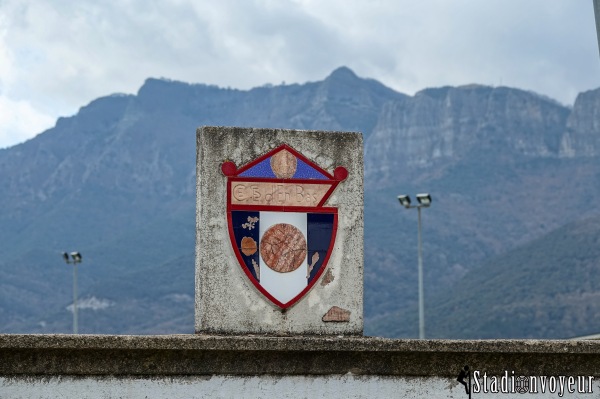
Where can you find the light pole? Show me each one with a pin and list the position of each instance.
(424, 202)
(597, 16)
(76, 258)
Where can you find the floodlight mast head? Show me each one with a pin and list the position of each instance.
(404, 201)
(76, 257)
(424, 199)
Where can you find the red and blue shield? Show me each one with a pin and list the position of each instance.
(280, 230)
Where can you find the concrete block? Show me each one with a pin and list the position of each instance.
(279, 232)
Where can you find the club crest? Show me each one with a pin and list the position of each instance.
(280, 230)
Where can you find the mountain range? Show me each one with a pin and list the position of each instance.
(509, 241)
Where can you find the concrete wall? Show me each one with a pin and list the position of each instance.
(200, 366)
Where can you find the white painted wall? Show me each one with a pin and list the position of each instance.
(280, 387)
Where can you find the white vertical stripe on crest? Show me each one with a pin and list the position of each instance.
(283, 286)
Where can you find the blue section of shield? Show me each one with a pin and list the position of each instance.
(303, 171)
(261, 169)
(319, 230)
(246, 224)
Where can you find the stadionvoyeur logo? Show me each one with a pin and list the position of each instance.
(477, 381)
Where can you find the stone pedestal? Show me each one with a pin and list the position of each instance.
(279, 232)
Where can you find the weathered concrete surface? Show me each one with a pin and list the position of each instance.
(202, 355)
(226, 300)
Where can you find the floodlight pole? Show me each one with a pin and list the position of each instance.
(597, 17)
(421, 299)
(76, 258)
(424, 202)
(75, 326)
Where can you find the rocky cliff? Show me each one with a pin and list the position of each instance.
(443, 126)
(582, 133)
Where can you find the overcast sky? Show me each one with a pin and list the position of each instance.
(56, 56)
